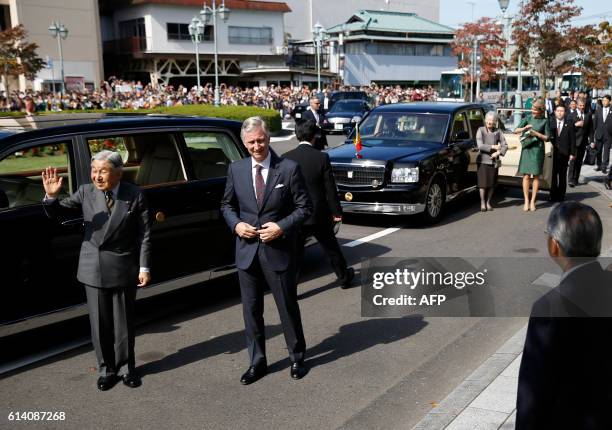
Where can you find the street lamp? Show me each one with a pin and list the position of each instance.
(318, 32)
(196, 31)
(503, 5)
(207, 13)
(60, 32)
(344, 32)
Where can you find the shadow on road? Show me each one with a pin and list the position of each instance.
(356, 337)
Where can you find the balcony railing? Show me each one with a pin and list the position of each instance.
(127, 45)
(308, 61)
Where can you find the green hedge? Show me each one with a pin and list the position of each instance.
(238, 113)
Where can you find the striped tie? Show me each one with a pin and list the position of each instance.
(110, 202)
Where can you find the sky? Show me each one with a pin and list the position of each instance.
(455, 12)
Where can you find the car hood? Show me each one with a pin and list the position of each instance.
(409, 153)
(343, 114)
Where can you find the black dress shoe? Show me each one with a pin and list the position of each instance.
(131, 380)
(607, 184)
(298, 370)
(107, 382)
(350, 275)
(598, 168)
(253, 374)
(572, 184)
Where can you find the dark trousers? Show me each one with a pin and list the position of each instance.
(559, 177)
(603, 153)
(324, 233)
(111, 316)
(284, 289)
(575, 165)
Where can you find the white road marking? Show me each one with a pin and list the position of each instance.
(371, 237)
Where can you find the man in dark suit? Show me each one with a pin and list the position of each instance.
(265, 203)
(314, 113)
(317, 171)
(565, 373)
(115, 259)
(582, 130)
(602, 132)
(564, 143)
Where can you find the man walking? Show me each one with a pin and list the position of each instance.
(314, 113)
(582, 130)
(564, 143)
(602, 131)
(115, 259)
(321, 185)
(264, 204)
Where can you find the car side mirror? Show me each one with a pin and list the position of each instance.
(347, 131)
(460, 135)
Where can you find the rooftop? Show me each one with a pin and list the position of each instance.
(231, 4)
(387, 21)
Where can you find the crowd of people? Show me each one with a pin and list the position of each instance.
(116, 93)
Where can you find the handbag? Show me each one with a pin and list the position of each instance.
(590, 157)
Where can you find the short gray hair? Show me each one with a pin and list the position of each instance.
(114, 158)
(253, 123)
(577, 228)
(492, 114)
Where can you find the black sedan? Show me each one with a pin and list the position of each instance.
(344, 115)
(415, 158)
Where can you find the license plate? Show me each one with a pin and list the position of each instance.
(338, 127)
(298, 115)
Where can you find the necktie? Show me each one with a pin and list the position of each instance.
(260, 185)
(559, 126)
(110, 202)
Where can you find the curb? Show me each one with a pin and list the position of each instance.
(468, 406)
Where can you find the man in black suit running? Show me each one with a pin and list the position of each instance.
(317, 171)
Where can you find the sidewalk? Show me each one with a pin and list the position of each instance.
(486, 400)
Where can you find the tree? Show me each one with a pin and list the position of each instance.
(542, 33)
(597, 58)
(17, 56)
(492, 45)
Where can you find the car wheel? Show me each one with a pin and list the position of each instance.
(434, 202)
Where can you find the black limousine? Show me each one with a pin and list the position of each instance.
(179, 162)
(415, 157)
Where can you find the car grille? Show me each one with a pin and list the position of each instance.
(356, 175)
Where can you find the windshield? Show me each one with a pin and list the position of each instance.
(450, 86)
(398, 128)
(347, 107)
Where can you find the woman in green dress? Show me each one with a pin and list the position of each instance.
(534, 131)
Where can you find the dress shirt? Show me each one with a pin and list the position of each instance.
(605, 113)
(559, 127)
(316, 115)
(265, 164)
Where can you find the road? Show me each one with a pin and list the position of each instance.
(365, 372)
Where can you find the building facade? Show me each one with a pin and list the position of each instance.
(149, 40)
(82, 49)
(390, 48)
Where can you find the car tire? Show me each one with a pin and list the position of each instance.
(434, 202)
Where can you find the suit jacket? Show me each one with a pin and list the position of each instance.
(565, 143)
(602, 127)
(114, 246)
(565, 374)
(321, 140)
(317, 171)
(285, 202)
(582, 133)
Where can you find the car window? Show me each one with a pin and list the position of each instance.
(21, 174)
(149, 158)
(211, 153)
(476, 120)
(460, 129)
(402, 128)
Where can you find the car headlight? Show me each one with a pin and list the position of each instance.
(356, 119)
(405, 175)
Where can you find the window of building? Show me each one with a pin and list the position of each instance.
(177, 31)
(132, 28)
(5, 17)
(211, 153)
(149, 159)
(250, 35)
(21, 178)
